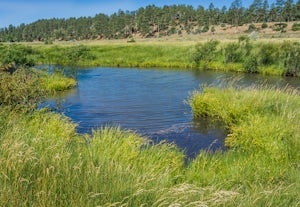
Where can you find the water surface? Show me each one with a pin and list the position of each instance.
(150, 102)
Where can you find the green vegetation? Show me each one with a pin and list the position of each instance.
(44, 162)
(153, 21)
(245, 55)
(250, 57)
(14, 56)
(296, 26)
(121, 55)
(25, 88)
(263, 156)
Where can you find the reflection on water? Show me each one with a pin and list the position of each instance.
(200, 134)
(150, 102)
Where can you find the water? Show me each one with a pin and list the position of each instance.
(150, 102)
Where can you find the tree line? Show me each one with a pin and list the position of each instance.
(151, 20)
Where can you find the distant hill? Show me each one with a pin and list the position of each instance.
(153, 21)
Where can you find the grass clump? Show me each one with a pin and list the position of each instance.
(263, 143)
(56, 82)
(25, 88)
(44, 162)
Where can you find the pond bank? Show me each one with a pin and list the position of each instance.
(267, 58)
(44, 162)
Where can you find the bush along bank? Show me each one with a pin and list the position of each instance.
(248, 56)
(245, 55)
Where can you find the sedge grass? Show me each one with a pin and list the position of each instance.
(44, 162)
(263, 156)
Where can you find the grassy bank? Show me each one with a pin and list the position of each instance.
(25, 87)
(263, 158)
(243, 55)
(44, 162)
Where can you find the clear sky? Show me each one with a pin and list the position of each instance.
(16, 12)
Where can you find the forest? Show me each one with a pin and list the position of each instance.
(156, 21)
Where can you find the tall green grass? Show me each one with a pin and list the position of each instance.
(131, 55)
(44, 162)
(264, 144)
(246, 56)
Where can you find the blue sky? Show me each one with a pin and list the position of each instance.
(16, 12)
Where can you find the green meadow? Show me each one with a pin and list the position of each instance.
(241, 55)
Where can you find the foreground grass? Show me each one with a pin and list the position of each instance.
(44, 162)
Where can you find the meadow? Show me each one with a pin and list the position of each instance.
(243, 54)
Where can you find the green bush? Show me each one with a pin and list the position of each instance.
(264, 25)
(205, 28)
(268, 54)
(251, 64)
(291, 58)
(212, 29)
(296, 27)
(20, 89)
(13, 56)
(251, 28)
(205, 52)
(232, 53)
(279, 27)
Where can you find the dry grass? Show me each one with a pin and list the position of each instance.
(223, 34)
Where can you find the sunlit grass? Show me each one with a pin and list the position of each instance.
(56, 82)
(263, 156)
(44, 162)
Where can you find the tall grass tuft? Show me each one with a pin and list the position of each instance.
(263, 156)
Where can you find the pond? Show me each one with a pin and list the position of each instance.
(150, 102)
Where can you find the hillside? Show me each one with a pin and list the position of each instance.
(153, 21)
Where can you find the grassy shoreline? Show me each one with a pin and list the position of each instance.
(246, 56)
(45, 162)
(277, 58)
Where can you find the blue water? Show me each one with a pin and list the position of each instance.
(150, 102)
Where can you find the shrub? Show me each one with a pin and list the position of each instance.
(21, 89)
(243, 38)
(251, 28)
(13, 56)
(268, 54)
(205, 52)
(205, 29)
(251, 64)
(296, 27)
(212, 29)
(131, 40)
(291, 58)
(264, 25)
(223, 25)
(231, 53)
(172, 31)
(279, 27)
